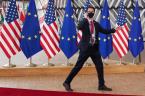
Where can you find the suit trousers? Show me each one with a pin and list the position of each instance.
(93, 52)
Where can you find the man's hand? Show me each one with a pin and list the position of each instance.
(113, 30)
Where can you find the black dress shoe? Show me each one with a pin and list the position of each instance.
(67, 87)
(104, 88)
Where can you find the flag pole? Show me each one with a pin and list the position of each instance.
(68, 63)
(139, 58)
(9, 65)
(120, 61)
(104, 61)
(133, 61)
(31, 64)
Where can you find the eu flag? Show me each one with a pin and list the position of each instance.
(105, 40)
(136, 44)
(68, 38)
(30, 35)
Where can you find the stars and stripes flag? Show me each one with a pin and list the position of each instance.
(50, 37)
(10, 32)
(120, 38)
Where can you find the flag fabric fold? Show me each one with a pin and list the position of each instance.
(30, 35)
(10, 31)
(68, 38)
(50, 37)
(120, 37)
(136, 44)
(105, 41)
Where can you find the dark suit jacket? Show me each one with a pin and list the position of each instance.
(85, 41)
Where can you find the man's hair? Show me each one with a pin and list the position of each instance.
(90, 6)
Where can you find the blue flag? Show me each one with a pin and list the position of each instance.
(105, 40)
(30, 42)
(136, 44)
(68, 38)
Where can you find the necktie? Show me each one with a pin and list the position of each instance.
(92, 27)
(92, 31)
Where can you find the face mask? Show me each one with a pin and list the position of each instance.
(90, 15)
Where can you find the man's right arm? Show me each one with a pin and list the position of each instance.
(80, 25)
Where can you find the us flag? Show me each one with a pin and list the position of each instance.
(50, 37)
(10, 32)
(120, 38)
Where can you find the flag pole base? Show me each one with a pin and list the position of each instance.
(49, 64)
(9, 66)
(70, 64)
(105, 63)
(31, 65)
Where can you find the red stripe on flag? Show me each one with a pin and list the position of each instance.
(8, 44)
(116, 39)
(124, 33)
(48, 34)
(13, 29)
(47, 43)
(45, 50)
(18, 25)
(55, 25)
(10, 36)
(121, 38)
(51, 30)
(5, 51)
(126, 27)
(120, 56)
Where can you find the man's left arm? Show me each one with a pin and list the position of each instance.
(105, 31)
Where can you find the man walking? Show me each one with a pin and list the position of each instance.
(89, 47)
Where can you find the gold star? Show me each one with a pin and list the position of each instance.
(72, 16)
(23, 37)
(105, 40)
(29, 13)
(104, 17)
(74, 37)
(35, 15)
(66, 15)
(29, 38)
(108, 18)
(135, 40)
(68, 39)
(62, 38)
(35, 36)
(109, 38)
(99, 38)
